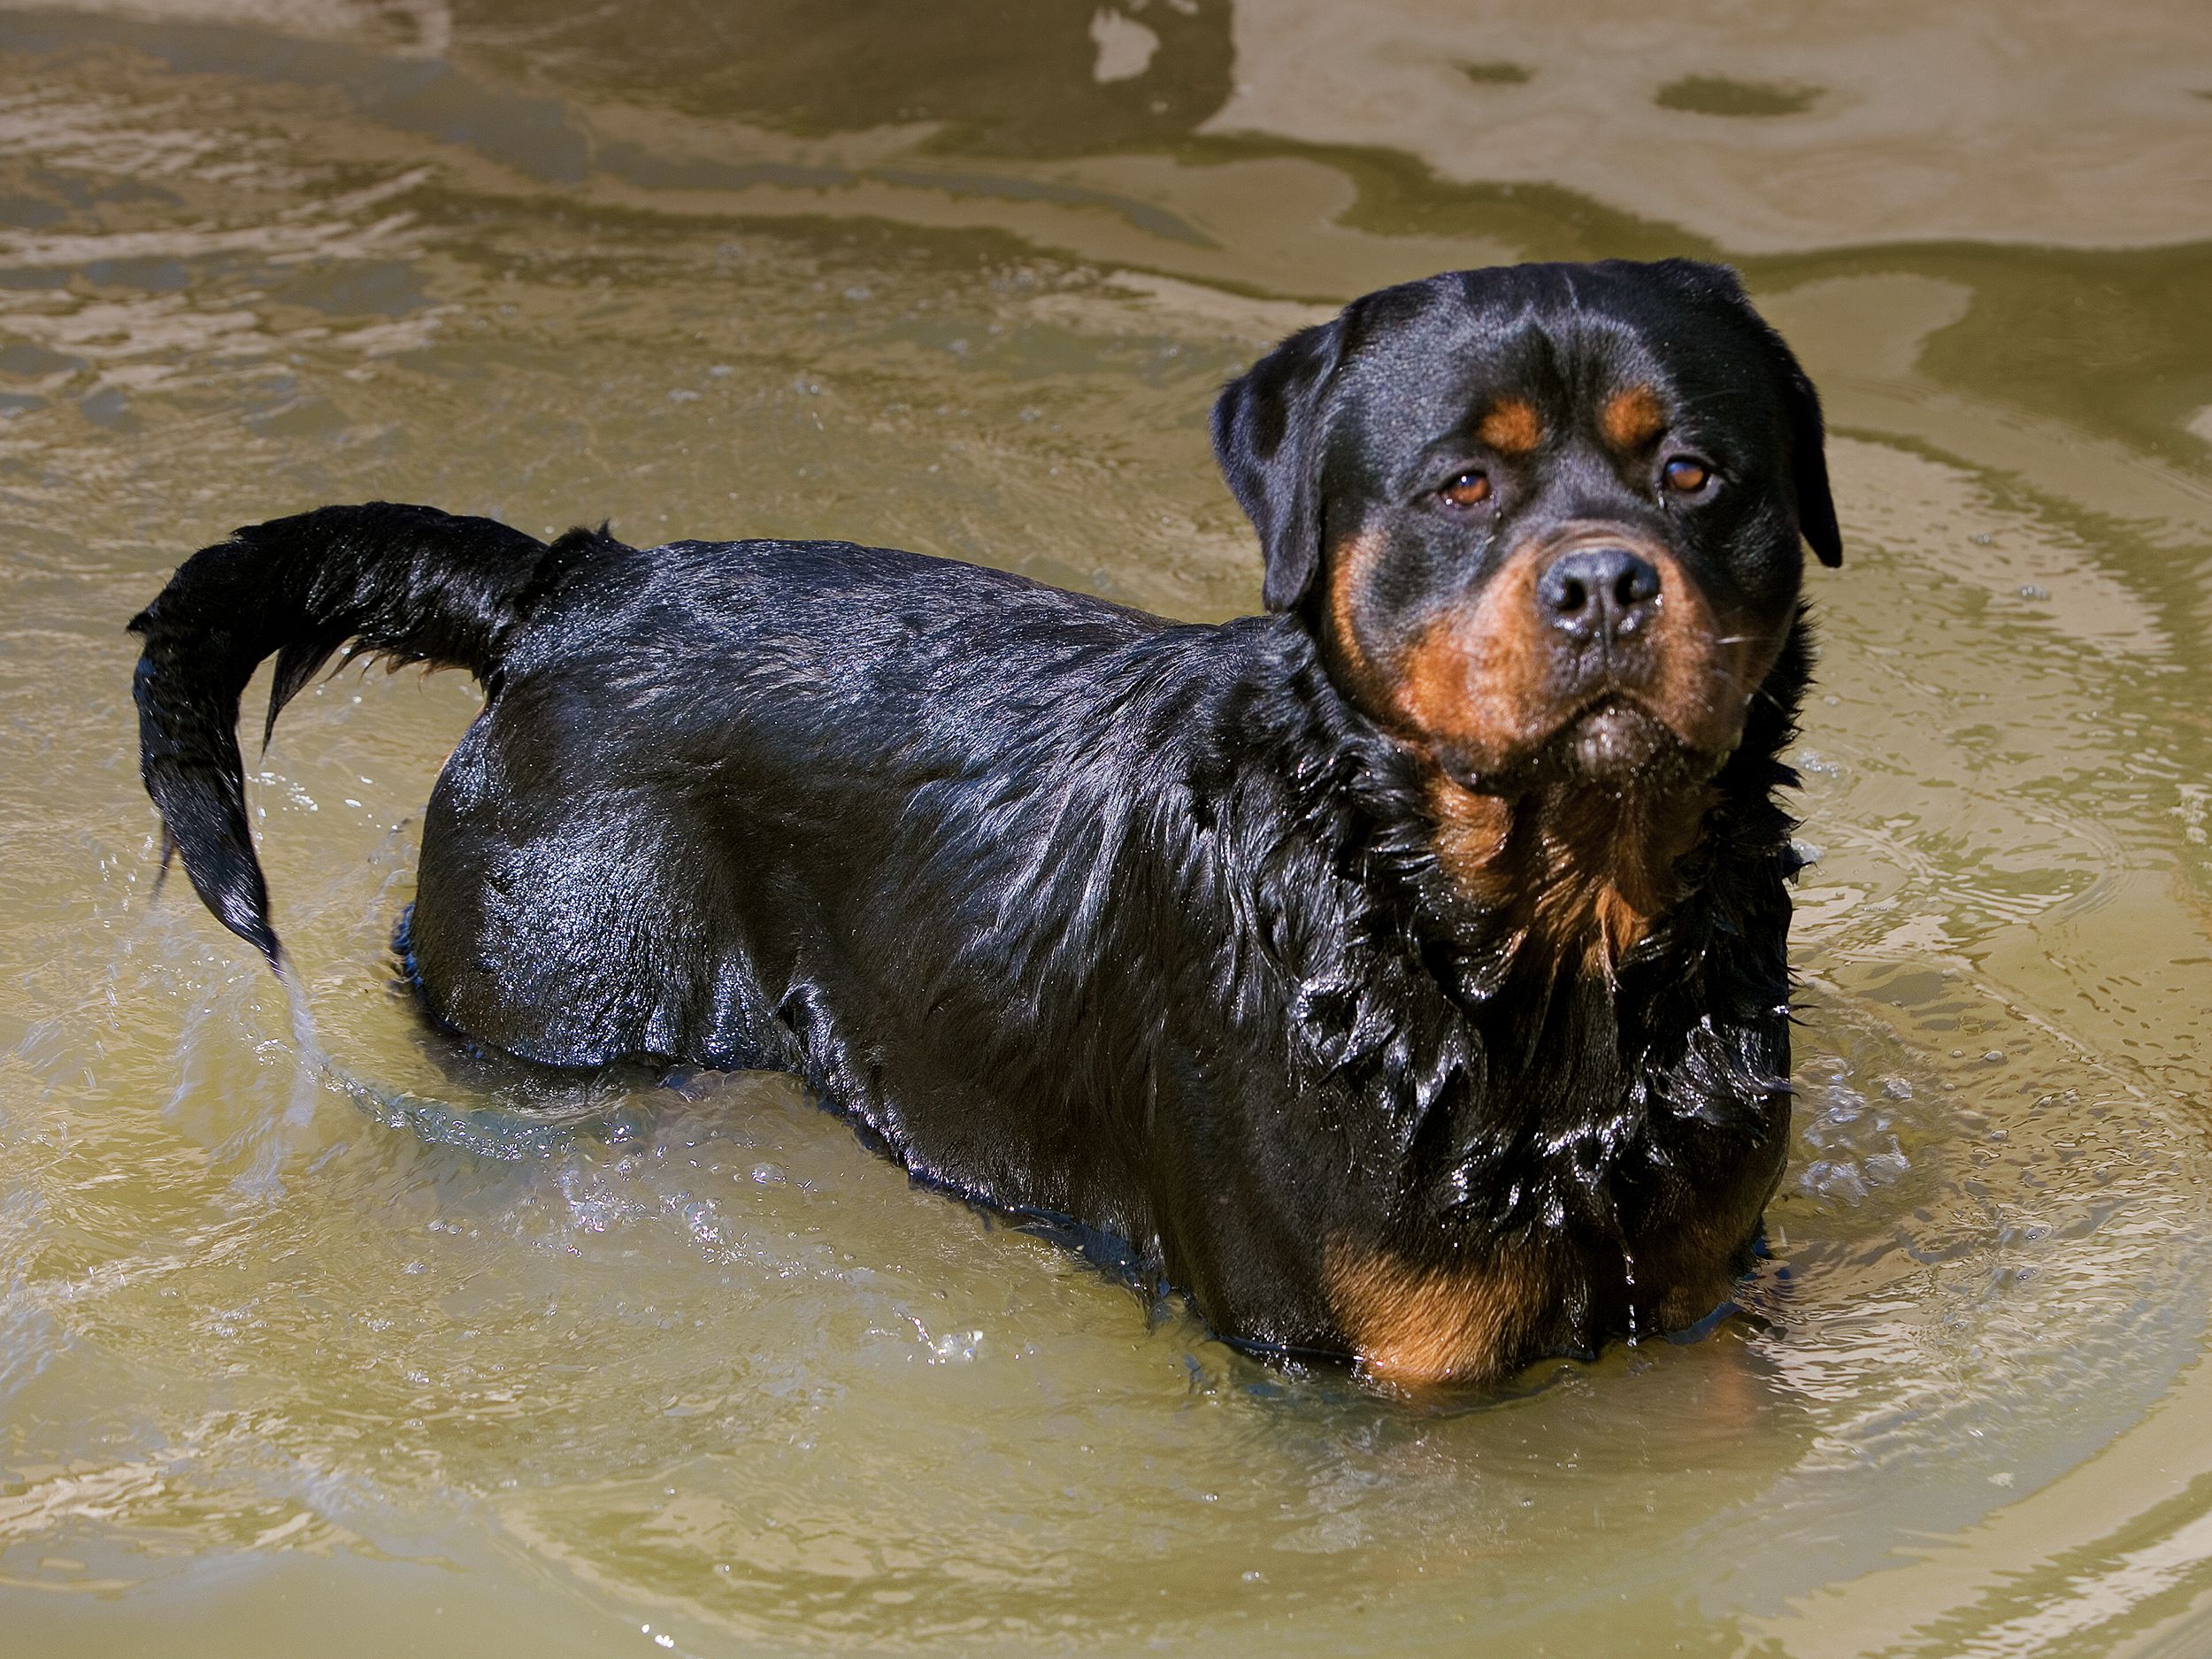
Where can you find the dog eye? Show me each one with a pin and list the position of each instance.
(1684, 476)
(1467, 489)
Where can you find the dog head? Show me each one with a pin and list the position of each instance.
(1544, 521)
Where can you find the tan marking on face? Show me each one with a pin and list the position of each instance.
(1412, 1325)
(1478, 679)
(1630, 419)
(1351, 566)
(1511, 426)
(1707, 669)
(1475, 677)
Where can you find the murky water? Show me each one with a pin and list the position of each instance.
(293, 1360)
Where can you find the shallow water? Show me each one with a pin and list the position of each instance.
(403, 1352)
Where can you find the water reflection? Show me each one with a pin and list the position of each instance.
(978, 79)
(692, 1359)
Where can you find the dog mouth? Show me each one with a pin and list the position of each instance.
(1612, 741)
(1614, 738)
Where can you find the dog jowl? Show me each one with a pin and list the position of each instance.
(1402, 973)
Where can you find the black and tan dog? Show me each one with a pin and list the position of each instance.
(1402, 973)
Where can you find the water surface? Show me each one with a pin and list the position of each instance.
(411, 1352)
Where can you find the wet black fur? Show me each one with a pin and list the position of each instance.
(1082, 912)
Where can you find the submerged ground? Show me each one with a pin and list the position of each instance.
(288, 1366)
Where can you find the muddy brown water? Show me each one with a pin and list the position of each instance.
(405, 1357)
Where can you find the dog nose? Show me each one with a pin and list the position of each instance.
(1598, 593)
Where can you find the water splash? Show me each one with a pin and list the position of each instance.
(274, 1143)
(1628, 1272)
(537, 1130)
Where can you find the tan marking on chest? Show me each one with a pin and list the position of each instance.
(1472, 832)
(1610, 876)
(1629, 421)
(1411, 1325)
(1622, 922)
(1592, 873)
(1511, 426)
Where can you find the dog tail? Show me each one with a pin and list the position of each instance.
(410, 584)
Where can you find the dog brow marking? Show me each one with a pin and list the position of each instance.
(1413, 1325)
(1512, 426)
(1632, 419)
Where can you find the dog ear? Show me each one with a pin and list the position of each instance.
(1267, 432)
(1808, 461)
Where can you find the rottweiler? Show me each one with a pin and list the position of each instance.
(1400, 974)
